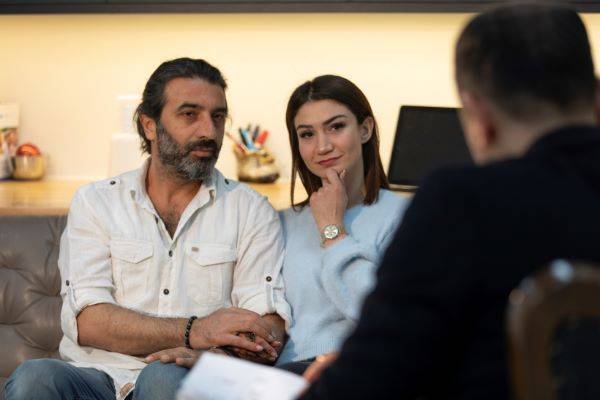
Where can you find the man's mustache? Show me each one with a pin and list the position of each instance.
(202, 144)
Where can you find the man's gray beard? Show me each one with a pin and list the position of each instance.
(178, 160)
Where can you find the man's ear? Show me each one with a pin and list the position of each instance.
(149, 126)
(479, 124)
(366, 129)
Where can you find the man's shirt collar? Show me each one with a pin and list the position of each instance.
(565, 139)
(206, 193)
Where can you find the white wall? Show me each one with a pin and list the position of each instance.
(67, 70)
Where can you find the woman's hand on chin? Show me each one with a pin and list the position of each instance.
(329, 203)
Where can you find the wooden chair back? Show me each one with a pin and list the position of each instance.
(553, 323)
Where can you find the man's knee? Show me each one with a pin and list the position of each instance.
(37, 379)
(159, 381)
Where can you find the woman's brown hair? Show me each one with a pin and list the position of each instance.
(340, 90)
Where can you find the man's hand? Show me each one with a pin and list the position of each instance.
(221, 328)
(180, 355)
(263, 357)
(314, 371)
(277, 328)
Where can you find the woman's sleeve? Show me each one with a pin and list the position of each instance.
(349, 267)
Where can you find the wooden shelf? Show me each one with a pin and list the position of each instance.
(54, 197)
(36, 198)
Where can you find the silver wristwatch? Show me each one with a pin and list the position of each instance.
(330, 232)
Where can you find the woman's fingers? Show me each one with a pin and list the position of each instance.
(332, 176)
(343, 177)
(335, 178)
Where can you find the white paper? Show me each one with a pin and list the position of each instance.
(219, 377)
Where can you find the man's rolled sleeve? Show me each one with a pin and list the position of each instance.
(84, 264)
(269, 300)
(258, 284)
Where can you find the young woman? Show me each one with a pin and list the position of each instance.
(335, 238)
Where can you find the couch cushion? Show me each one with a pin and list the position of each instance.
(29, 290)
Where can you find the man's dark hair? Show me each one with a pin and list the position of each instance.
(526, 58)
(153, 99)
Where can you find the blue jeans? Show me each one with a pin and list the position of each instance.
(55, 379)
(159, 381)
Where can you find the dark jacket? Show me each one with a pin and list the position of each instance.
(434, 326)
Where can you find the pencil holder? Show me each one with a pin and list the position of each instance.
(256, 166)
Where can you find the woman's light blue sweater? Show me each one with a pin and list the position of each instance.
(326, 287)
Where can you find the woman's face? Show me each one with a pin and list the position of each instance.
(329, 136)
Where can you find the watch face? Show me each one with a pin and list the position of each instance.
(330, 231)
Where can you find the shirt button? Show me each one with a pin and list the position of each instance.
(112, 182)
(67, 282)
(269, 279)
(166, 291)
(170, 253)
(156, 219)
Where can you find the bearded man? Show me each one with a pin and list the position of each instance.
(165, 261)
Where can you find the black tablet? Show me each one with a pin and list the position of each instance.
(426, 138)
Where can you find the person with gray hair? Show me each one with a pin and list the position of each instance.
(161, 263)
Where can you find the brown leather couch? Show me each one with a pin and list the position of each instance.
(29, 290)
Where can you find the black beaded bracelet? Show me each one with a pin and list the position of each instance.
(188, 328)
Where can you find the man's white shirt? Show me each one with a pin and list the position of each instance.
(227, 251)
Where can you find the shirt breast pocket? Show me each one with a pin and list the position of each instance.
(131, 263)
(209, 274)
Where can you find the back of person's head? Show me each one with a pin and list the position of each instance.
(528, 60)
(153, 98)
(343, 91)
